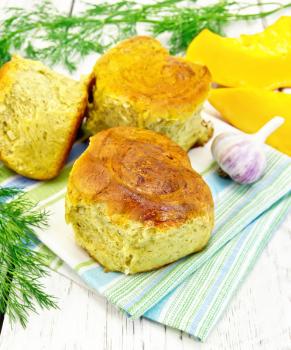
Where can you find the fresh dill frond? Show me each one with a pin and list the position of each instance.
(21, 268)
(49, 35)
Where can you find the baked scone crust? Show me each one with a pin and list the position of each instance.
(137, 83)
(142, 188)
(40, 114)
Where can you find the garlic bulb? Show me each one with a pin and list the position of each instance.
(242, 156)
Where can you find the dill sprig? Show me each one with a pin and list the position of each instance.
(21, 268)
(46, 34)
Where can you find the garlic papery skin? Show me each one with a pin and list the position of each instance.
(242, 156)
(243, 160)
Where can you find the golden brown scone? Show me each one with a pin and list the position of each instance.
(137, 83)
(135, 203)
(40, 113)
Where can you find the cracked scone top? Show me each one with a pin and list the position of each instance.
(137, 83)
(135, 203)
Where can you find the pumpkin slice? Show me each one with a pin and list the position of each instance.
(248, 109)
(259, 60)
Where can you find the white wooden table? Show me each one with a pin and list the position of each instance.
(259, 316)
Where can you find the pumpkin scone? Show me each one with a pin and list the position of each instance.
(40, 113)
(135, 202)
(137, 83)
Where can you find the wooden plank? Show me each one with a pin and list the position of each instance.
(259, 317)
(65, 6)
(271, 19)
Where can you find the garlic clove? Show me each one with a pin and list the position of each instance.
(242, 156)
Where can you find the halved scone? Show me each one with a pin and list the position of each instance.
(137, 83)
(40, 113)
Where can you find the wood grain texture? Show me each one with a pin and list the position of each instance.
(258, 318)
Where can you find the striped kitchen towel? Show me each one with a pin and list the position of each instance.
(196, 305)
(191, 293)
